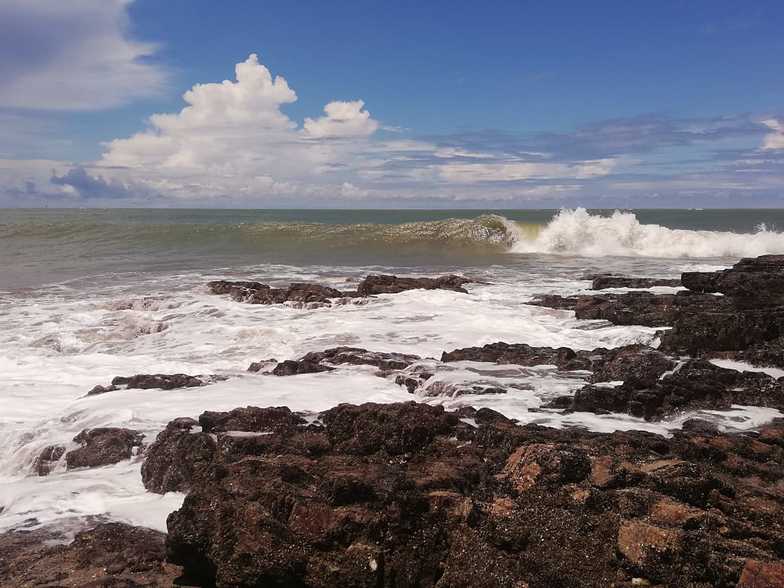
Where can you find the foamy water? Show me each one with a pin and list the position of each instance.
(577, 232)
(57, 341)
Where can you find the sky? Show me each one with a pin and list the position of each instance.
(365, 104)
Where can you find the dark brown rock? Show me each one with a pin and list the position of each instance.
(258, 293)
(178, 456)
(696, 385)
(602, 281)
(292, 367)
(103, 446)
(386, 284)
(110, 554)
(636, 365)
(750, 282)
(359, 356)
(410, 495)
(634, 308)
(47, 459)
(155, 381)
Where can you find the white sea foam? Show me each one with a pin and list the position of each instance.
(56, 344)
(742, 366)
(577, 232)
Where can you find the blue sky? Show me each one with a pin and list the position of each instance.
(434, 104)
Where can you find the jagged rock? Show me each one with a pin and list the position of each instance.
(47, 459)
(182, 455)
(291, 367)
(697, 385)
(636, 365)
(407, 494)
(155, 381)
(751, 282)
(250, 419)
(634, 308)
(316, 294)
(359, 356)
(258, 293)
(178, 456)
(322, 361)
(602, 281)
(110, 554)
(263, 366)
(522, 354)
(103, 446)
(386, 284)
(759, 574)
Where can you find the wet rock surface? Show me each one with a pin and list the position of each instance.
(602, 281)
(635, 308)
(103, 446)
(155, 381)
(110, 554)
(411, 495)
(386, 284)
(46, 460)
(634, 363)
(258, 293)
(736, 313)
(695, 385)
(751, 320)
(323, 361)
(319, 295)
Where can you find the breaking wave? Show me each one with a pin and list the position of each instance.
(575, 232)
(578, 232)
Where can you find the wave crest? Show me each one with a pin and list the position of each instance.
(577, 232)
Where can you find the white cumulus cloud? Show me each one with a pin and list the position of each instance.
(232, 138)
(343, 119)
(72, 55)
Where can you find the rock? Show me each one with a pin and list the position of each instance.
(386, 284)
(522, 354)
(258, 293)
(646, 546)
(322, 361)
(178, 456)
(47, 459)
(264, 366)
(359, 356)
(634, 308)
(750, 282)
(155, 381)
(408, 494)
(316, 294)
(697, 385)
(110, 554)
(545, 463)
(250, 419)
(602, 281)
(291, 367)
(395, 428)
(750, 318)
(636, 365)
(757, 574)
(103, 446)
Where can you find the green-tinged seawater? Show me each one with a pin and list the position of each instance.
(40, 246)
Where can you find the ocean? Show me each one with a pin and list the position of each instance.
(87, 295)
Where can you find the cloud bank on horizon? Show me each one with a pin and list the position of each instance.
(233, 143)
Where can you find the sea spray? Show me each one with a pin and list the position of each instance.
(578, 232)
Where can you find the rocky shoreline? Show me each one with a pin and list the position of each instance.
(409, 494)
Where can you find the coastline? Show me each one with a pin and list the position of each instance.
(408, 493)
